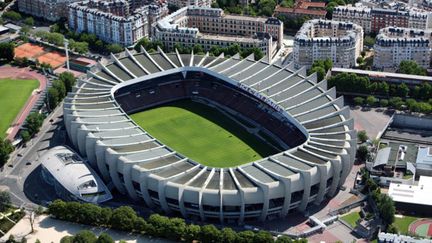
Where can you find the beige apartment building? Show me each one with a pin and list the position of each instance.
(394, 45)
(212, 27)
(322, 39)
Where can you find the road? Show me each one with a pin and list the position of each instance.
(7, 7)
(24, 162)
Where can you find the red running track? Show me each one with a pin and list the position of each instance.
(23, 73)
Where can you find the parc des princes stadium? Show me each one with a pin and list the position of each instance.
(311, 126)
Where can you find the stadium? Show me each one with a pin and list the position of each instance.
(308, 129)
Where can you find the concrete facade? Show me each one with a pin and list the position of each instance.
(146, 170)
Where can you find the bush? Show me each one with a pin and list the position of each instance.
(359, 100)
(371, 100)
(384, 102)
(362, 136)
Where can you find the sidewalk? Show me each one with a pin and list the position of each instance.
(51, 230)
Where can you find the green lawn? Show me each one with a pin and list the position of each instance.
(351, 218)
(402, 224)
(13, 96)
(202, 133)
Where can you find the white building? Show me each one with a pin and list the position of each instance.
(51, 10)
(317, 39)
(114, 21)
(71, 177)
(212, 27)
(394, 45)
(185, 3)
(356, 15)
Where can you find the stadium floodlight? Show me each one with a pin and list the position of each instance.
(66, 45)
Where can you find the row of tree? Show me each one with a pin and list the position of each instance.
(352, 83)
(86, 236)
(384, 202)
(176, 229)
(151, 46)
(257, 8)
(7, 51)
(397, 103)
(60, 88)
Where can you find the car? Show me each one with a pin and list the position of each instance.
(51, 120)
(28, 163)
(10, 165)
(34, 27)
(19, 155)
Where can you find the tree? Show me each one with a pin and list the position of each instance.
(114, 48)
(5, 200)
(263, 237)
(371, 100)
(198, 49)
(34, 122)
(123, 218)
(29, 21)
(7, 51)
(209, 233)
(68, 79)
(358, 100)
(192, 232)
(6, 148)
(362, 136)
(362, 153)
(25, 135)
(228, 235)
(246, 236)
(320, 72)
(104, 238)
(411, 67)
(12, 15)
(386, 209)
(369, 41)
(392, 229)
(53, 98)
(384, 102)
(84, 236)
(59, 85)
(402, 90)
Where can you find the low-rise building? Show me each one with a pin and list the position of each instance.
(119, 22)
(312, 10)
(324, 39)
(394, 45)
(212, 27)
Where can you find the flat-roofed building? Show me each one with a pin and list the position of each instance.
(325, 39)
(413, 197)
(212, 27)
(394, 45)
(51, 10)
(185, 3)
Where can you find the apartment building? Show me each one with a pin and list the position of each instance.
(358, 15)
(373, 19)
(312, 10)
(120, 21)
(319, 39)
(185, 3)
(394, 45)
(211, 26)
(51, 10)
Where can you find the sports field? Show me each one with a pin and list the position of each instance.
(13, 95)
(203, 134)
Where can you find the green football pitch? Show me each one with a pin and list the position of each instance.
(13, 95)
(202, 134)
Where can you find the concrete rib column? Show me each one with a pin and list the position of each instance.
(127, 175)
(90, 149)
(241, 193)
(100, 160)
(307, 178)
(336, 164)
(323, 182)
(144, 189)
(162, 198)
(201, 210)
(112, 159)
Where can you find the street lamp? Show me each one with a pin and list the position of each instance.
(66, 44)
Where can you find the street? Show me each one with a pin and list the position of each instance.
(24, 162)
